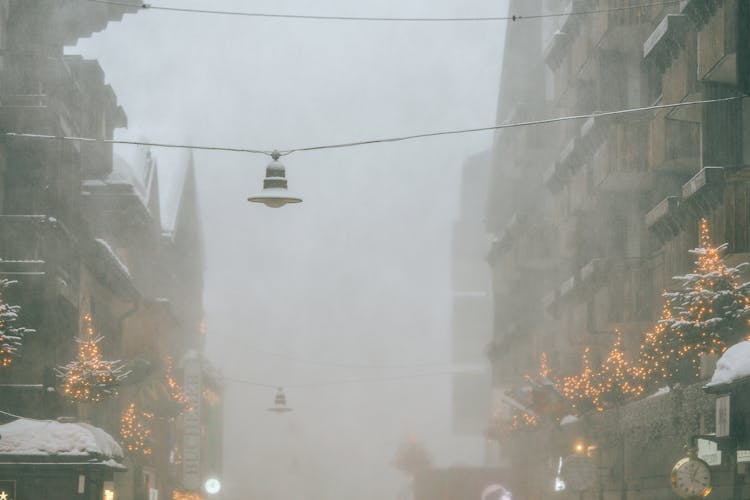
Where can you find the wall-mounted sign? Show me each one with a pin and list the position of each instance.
(709, 452)
(7, 490)
(722, 416)
(191, 430)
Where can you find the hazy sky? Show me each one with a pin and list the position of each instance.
(359, 272)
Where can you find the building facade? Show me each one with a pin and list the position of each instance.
(97, 244)
(593, 217)
(472, 303)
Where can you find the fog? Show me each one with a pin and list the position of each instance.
(359, 273)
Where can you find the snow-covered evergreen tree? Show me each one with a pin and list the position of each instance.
(712, 306)
(89, 378)
(11, 336)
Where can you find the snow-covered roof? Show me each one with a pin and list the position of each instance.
(124, 172)
(733, 365)
(26, 437)
(172, 177)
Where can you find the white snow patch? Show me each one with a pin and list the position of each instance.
(48, 437)
(660, 392)
(568, 419)
(733, 365)
(114, 256)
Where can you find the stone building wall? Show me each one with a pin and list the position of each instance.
(593, 217)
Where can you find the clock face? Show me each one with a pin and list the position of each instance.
(691, 478)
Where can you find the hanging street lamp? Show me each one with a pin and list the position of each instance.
(280, 402)
(275, 193)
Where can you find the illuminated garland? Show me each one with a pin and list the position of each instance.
(660, 361)
(616, 379)
(135, 430)
(581, 390)
(11, 337)
(175, 389)
(90, 378)
(710, 311)
(186, 495)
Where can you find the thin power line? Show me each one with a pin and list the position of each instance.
(147, 6)
(382, 140)
(513, 125)
(342, 364)
(313, 385)
(138, 143)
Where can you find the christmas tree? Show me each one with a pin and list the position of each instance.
(135, 430)
(616, 381)
(89, 378)
(712, 306)
(11, 336)
(661, 360)
(583, 390)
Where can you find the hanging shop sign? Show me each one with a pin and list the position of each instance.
(7, 490)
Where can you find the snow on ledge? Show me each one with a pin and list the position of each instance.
(733, 365)
(108, 249)
(568, 419)
(659, 392)
(51, 438)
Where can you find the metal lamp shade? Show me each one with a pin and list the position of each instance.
(275, 193)
(280, 402)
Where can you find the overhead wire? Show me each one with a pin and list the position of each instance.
(343, 364)
(329, 383)
(514, 17)
(289, 151)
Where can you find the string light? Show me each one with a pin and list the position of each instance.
(147, 6)
(329, 383)
(713, 306)
(373, 141)
(544, 370)
(135, 430)
(581, 390)
(710, 311)
(175, 389)
(186, 495)
(89, 378)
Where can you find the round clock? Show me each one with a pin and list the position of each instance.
(691, 477)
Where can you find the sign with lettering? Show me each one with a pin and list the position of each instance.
(191, 428)
(7, 490)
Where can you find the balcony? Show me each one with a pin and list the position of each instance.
(620, 164)
(718, 39)
(667, 40)
(35, 113)
(623, 29)
(665, 219)
(37, 247)
(673, 145)
(705, 190)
